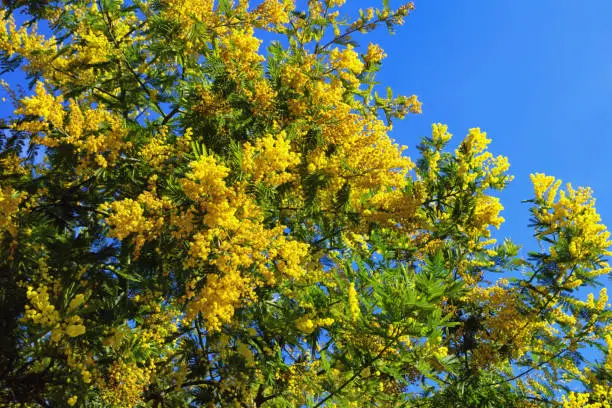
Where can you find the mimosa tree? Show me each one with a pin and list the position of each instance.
(191, 216)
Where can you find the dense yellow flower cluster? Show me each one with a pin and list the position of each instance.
(74, 67)
(374, 55)
(601, 397)
(273, 13)
(440, 134)
(95, 48)
(506, 323)
(269, 159)
(475, 161)
(12, 163)
(541, 185)
(218, 299)
(204, 183)
(475, 142)
(608, 362)
(75, 327)
(127, 218)
(192, 9)
(42, 105)
(262, 96)
(95, 132)
(434, 348)
(9, 208)
(573, 218)
(239, 53)
(600, 304)
(363, 157)
(305, 324)
(156, 150)
(486, 214)
(124, 384)
(353, 303)
(41, 312)
(31, 44)
(290, 257)
(268, 251)
(477, 171)
(295, 75)
(232, 236)
(347, 63)
(562, 317)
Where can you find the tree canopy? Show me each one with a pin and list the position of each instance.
(200, 205)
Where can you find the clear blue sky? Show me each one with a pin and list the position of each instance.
(535, 75)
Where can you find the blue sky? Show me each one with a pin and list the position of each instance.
(535, 75)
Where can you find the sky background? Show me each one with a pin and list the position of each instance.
(535, 75)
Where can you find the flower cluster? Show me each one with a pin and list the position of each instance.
(374, 55)
(43, 313)
(571, 219)
(9, 209)
(269, 159)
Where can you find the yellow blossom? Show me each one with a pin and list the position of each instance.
(353, 302)
(374, 55)
(440, 133)
(75, 330)
(305, 325)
